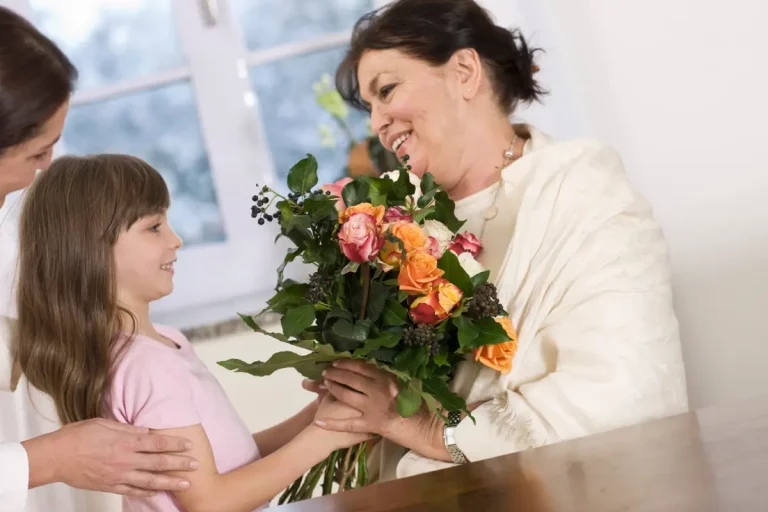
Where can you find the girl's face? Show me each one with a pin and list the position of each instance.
(144, 256)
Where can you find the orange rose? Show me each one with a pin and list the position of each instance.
(499, 357)
(390, 256)
(377, 212)
(438, 304)
(448, 295)
(411, 235)
(413, 238)
(418, 272)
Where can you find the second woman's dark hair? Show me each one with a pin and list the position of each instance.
(433, 30)
(36, 78)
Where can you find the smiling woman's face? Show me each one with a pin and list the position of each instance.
(416, 109)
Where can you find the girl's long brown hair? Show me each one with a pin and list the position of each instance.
(67, 337)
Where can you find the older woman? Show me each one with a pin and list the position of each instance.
(579, 262)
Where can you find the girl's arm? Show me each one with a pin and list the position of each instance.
(255, 484)
(274, 438)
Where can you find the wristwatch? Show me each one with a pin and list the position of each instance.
(458, 457)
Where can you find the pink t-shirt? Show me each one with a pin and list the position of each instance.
(159, 387)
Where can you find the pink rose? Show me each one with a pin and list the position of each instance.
(335, 190)
(396, 214)
(434, 248)
(466, 242)
(359, 238)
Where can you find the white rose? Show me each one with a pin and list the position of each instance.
(470, 265)
(439, 232)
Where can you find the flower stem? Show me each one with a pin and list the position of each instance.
(366, 289)
(330, 471)
(346, 469)
(290, 492)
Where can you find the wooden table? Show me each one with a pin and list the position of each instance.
(714, 459)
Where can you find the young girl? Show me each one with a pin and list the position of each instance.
(96, 250)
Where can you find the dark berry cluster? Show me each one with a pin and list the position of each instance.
(421, 335)
(319, 287)
(299, 198)
(485, 303)
(259, 210)
(405, 163)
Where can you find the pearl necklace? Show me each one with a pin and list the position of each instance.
(493, 210)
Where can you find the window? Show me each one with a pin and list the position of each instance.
(218, 96)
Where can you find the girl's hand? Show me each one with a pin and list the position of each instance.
(373, 393)
(331, 408)
(317, 387)
(367, 389)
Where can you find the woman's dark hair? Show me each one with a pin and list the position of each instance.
(433, 30)
(36, 78)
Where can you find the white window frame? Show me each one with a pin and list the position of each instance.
(216, 280)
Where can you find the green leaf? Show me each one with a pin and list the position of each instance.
(422, 214)
(441, 359)
(433, 405)
(468, 333)
(377, 298)
(394, 313)
(480, 279)
(408, 400)
(449, 263)
(356, 192)
(382, 355)
(447, 398)
(299, 224)
(386, 340)
(428, 183)
(444, 212)
(350, 267)
(489, 332)
(303, 176)
(340, 313)
(328, 254)
(427, 199)
(402, 188)
(401, 296)
(292, 255)
(291, 295)
(296, 320)
(310, 365)
(428, 190)
(319, 207)
(379, 190)
(345, 336)
(411, 359)
(250, 322)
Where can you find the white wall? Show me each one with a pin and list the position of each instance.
(680, 88)
(261, 401)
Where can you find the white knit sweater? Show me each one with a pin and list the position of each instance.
(582, 267)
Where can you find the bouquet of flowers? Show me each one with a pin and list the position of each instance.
(395, 284)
